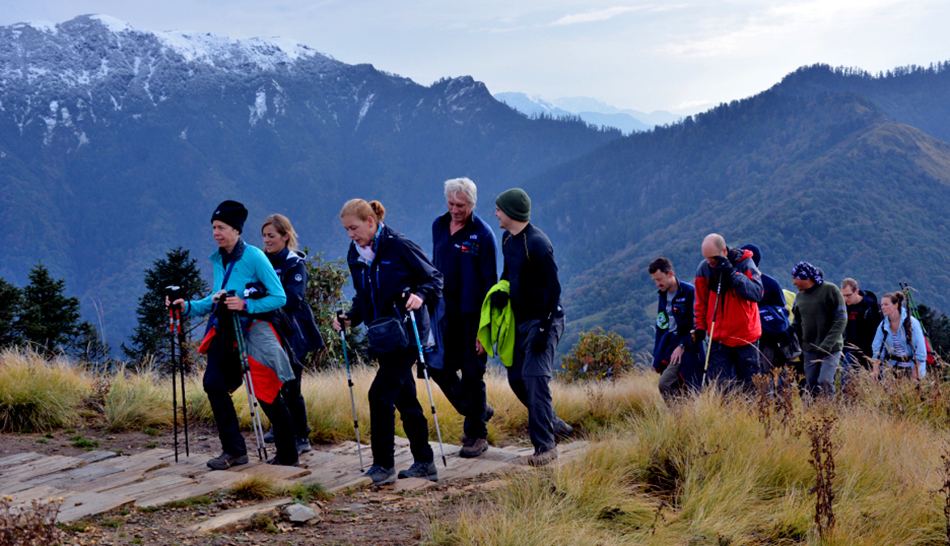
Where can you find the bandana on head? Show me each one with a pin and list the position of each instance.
(804, 270)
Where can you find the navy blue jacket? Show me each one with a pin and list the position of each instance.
(682, 313)
(291, 268)
(667, 340)
(399, 263)
(466, 261)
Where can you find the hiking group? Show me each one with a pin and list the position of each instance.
(754, 325)
(447, 316)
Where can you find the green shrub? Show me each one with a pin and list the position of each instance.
(597, 355)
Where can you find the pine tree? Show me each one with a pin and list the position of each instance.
(152, 336)
(10, 301)
(47, 317)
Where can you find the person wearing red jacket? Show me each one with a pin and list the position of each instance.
(728, 288)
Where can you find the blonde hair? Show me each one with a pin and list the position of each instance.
(283, 227)
(363, 210)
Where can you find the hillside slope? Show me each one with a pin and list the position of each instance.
(832, 181)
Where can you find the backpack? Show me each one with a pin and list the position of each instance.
(774, 319)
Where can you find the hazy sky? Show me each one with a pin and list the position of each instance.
(677, 56)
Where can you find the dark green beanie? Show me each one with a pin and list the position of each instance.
(515, 203)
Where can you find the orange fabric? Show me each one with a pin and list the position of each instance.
(266, 384)
(206, 342)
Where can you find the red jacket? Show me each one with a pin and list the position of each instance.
(737, 314)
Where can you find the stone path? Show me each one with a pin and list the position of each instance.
(99, 481)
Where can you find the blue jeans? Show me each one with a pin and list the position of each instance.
(733, 366)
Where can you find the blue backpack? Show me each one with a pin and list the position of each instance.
(774, 319)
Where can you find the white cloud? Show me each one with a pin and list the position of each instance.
(594, 16)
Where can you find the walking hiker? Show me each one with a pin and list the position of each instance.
(290, 264)
(534, 297)
(675, 358)
(864, 317)
(728, 288)
(463, 250)
(899, 340)
(819, 317)
(776, 346)
(384, 264)
(238, 266)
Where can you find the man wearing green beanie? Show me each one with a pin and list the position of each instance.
(535, 298)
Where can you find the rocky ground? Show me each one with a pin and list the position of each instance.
(378, 516)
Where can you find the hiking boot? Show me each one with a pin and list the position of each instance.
(225, 461)
(275, 462)
(269, 436)
(303, 445)
(473, 448)
(380, 475)
(421, 470)
(541, 458)
(489, 412)
(562, 430)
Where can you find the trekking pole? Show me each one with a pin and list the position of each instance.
(711, 330)
(425, 373)
(349, 381)
(181, 374)
(251, 397)
(171, 293)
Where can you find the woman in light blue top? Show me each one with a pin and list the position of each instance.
(899, 340)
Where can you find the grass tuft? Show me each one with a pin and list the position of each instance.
(138, 401)
(255, 487)
(36, 394)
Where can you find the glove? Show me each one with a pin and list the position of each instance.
(540, 342)
(698, 337)
(499, 299)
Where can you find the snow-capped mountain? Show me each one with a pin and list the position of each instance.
(116, 143)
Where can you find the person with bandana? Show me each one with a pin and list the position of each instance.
(392, 277)
(820, 317)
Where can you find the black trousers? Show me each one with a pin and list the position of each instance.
(395, 388)
(467, 394)
(222, 377)
(292, 396)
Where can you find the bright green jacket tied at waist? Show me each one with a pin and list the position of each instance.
(497, 326)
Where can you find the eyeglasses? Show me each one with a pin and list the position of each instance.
(847, 295)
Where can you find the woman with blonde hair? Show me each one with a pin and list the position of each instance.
(392, 277)
(290, 264)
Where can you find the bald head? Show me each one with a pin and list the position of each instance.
(713, 245)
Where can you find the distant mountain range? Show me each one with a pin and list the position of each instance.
(590, 110)
(116, 144)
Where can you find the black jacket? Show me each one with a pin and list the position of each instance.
(399, 264)
(863, 320)
(292, 269)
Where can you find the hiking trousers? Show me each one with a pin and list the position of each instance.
(467, 394)
(394, 387)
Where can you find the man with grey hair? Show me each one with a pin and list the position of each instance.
(464, 251)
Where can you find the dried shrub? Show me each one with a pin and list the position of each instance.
(29, 524)
(820, 427)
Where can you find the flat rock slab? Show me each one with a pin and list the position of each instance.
(240, 518)
(99, 481)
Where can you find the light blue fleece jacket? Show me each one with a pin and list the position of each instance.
(252, 266)
(882, 343)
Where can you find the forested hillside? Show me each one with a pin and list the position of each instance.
(830, 179)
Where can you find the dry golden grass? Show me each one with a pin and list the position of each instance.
(37, 394)
(704, 473)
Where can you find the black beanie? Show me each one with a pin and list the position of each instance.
(231, 213)
(515, 203)
(756, 253)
